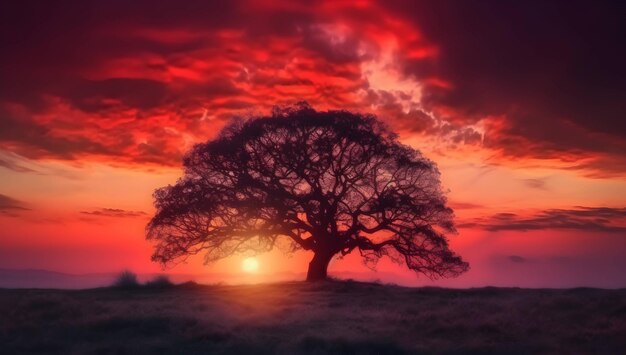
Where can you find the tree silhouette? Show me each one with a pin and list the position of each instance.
(329, 182)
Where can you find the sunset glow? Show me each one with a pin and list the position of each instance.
(521, 107)
(250, 265)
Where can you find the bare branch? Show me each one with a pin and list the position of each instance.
(329, 182)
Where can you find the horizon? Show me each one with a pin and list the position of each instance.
(42, 279)
(522, 114)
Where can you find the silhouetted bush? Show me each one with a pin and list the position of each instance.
(126, 279)
(190, 285)
(161, 281)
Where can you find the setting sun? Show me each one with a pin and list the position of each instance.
(250, 265)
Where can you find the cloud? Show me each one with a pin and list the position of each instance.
(539, 184)
(100, 95)
(464, 205)
(517, 259)
(114, 212)
(592, 219)
(138, 96)
(549, 75)
(33, 139)
(523, 81)
(416, 121)
(15, 166)
(10, 206)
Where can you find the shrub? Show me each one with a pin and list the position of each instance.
(161, 281)
(126, 279)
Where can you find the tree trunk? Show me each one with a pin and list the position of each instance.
(318, 267)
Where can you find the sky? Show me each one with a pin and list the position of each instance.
(521, 104)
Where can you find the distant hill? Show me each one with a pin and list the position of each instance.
(34, 278)
(38, 278)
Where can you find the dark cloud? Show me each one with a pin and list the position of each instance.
(467, 136)
(418, 121)
(594, 219)
(539, 184)
(15, 167)
(517, 259)
(114, 212)
(551, 71)
(337, 50)
(128, 81)
(33, 139)
(9, 203)
(10, 206)
(209, 89)
(554, 69)
(464, 205)
(271, 81)
(99, 95)
(47, 46)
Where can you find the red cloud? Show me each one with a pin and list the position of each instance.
(140, 82)
(114, 212)
(595, 219)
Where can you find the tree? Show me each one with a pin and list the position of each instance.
(328, 182)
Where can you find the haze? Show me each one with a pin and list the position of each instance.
(521, 105)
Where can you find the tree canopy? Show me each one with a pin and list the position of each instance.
(330, 182)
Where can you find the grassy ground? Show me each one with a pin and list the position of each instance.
(301, 318)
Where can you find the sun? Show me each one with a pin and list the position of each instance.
(250, 265)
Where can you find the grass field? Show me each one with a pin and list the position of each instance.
(321, 318)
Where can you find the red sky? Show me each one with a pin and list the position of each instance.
(520, 104)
